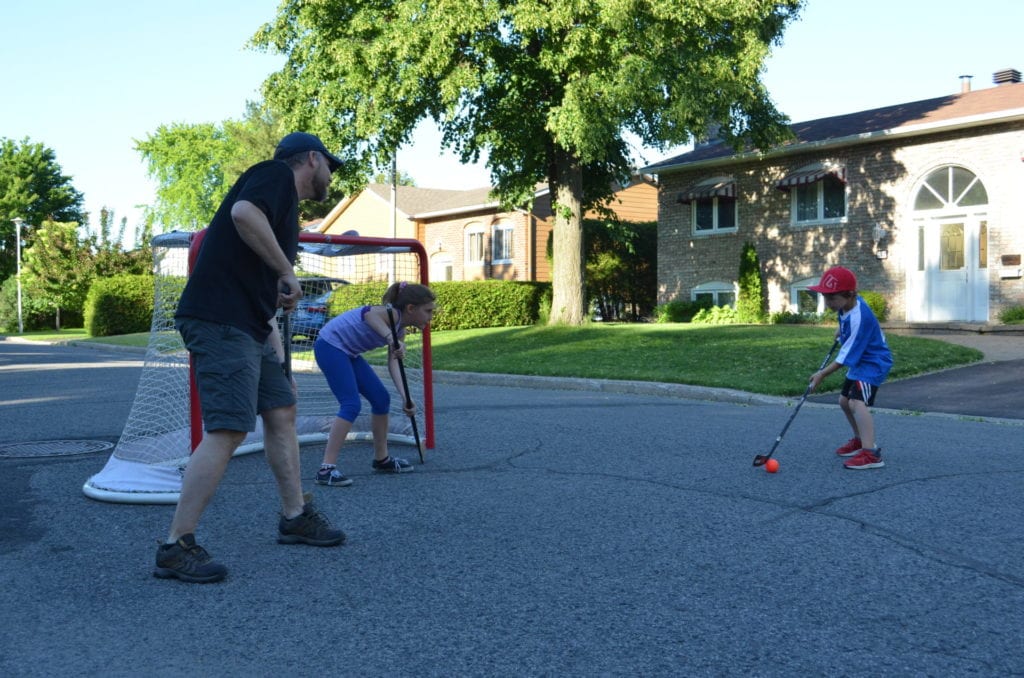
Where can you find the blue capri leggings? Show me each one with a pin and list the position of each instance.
(349, 376)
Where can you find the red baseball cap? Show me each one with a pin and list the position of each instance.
(836, 279)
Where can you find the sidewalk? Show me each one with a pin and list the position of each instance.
(1003, 342)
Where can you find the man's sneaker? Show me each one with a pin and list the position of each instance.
(392, 465)
(188, 561)
(866, 459)
(309, 527)
(332, 477)
(851, 448)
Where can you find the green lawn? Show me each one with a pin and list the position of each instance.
(770, 359)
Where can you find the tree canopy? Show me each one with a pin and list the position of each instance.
(547, 89)
(33, 187)
(195, 165)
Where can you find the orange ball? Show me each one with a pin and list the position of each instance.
(772, 465)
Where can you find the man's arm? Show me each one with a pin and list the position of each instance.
(255, 231)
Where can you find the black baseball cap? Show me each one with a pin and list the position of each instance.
(300, 142)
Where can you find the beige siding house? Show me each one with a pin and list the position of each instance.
(466, 233)
(922, 200)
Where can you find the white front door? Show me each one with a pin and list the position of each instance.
(952, 271)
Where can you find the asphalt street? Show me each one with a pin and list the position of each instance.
(559, 529)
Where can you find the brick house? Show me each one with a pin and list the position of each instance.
(922, 200)
(467, 235)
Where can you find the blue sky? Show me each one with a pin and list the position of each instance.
(87, 79)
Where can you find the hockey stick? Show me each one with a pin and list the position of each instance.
(286, 328)
(761, 459)
(286, 339)
(405, 384)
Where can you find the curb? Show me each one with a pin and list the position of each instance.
(655, 388)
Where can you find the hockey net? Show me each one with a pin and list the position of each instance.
(163, 426)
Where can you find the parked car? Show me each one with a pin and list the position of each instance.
(310, 313)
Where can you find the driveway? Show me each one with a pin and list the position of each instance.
(990, 388)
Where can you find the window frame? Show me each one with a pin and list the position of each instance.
(506, 242)
(799, 192)
(472, 231)
(717, 205)
(715, 288)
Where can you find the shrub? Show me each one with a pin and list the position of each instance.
(463, 305)
(679, 311)
(120, 304)
(716, 315)
(36, 314)
(879, 306)
(1014, 315)
(791, 318)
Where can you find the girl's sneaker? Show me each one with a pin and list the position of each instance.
(392, 465)
(332, 477)
(866, 459)
(851, 448)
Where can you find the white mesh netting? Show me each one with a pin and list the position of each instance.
(147, 464)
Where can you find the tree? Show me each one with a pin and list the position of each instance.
(33, 187)
(621, 267)
(750, 302)
(186, 161)
(403, 179)
(547, 89)
(108, 254)
(195, 166)
(62, 265)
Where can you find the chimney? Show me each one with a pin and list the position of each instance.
(965, 83)
(1006, 76)
(711, 135)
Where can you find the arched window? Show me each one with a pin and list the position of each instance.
(949, 187)
(803, 300)
(719, 293)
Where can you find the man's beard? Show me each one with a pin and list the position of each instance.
(320, 188)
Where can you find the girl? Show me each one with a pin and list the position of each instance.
(338, 350)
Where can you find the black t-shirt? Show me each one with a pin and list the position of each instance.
(230, 284)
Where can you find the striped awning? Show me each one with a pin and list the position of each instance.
(809, 175)
(722, 187)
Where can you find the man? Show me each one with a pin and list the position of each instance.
(244, 271)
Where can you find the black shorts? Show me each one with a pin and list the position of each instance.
(237, 377)
(860, 390)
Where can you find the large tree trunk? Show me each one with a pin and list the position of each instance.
(567, 283)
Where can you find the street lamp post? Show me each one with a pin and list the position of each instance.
(18, 221)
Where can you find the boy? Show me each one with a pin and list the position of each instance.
(867, 358)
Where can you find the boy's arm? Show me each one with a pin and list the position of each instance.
(823, 373)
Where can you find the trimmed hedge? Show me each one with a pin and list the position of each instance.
(462, 305)
(120, 304)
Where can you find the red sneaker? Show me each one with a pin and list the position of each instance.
(851, 448)
(866, 459)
